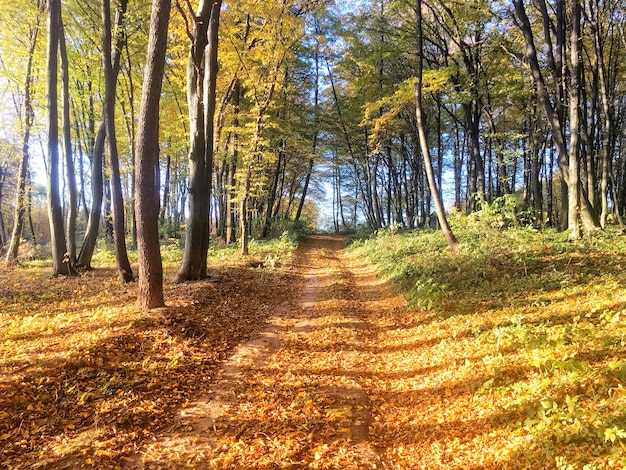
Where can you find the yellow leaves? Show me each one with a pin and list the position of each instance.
(342, 412)
(382, 114)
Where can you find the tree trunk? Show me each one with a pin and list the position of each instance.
(607, 130)
(97, 195)
(166, 189)
(150, 292)
(556, 121)
(117, 201)
(29, 116)
(231, 226)
(574, 96)
(441, 215)
(70, 174)
(271, 198)
(201, 81)
(305, 189)
(2, 226)
(60, 259)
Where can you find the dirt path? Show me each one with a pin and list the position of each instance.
(350, 380)
(297, 395)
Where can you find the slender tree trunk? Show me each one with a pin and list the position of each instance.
(305, 189)
(315, 133)
(29, 115)
(577, 196)
(271, 198)
(130, 131)
(231, 226)
(441, 215)
(3, 240)
(60, 259)
(81, 160)
(166, 189)
(97, 195)
(117, 201)
(70, 174)
(150, 293)
(573, 182)
(607, 129)
(244, 234)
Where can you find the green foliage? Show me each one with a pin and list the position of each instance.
(547, 314)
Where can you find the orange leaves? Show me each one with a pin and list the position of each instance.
(84, 377)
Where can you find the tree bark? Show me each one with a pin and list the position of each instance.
(70, 173)
(97, 195)
(29, 116)
(607, 129)
(441, 215)
(150, 292)
(201, 82)
(117, 201)
(60, 258)
(166, 189)
(574, 96)
(576, 194)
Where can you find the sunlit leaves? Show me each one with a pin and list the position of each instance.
(538, 341)
(86, 378)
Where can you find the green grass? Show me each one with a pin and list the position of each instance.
(547, 316)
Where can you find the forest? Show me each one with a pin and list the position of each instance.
(173, 173)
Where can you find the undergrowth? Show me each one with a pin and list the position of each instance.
(547, 316)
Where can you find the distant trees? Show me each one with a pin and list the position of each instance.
(28, 117)
(518, 102)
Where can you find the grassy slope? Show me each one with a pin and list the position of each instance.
(537, 328)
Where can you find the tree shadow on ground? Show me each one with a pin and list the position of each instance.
(94, 402)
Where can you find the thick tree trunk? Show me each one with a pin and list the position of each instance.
(150, 293)
(201, 81)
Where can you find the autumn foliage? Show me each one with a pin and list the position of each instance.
(509, 355)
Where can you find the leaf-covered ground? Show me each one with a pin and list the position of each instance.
(518, 364)
(86, 380)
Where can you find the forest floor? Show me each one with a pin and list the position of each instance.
(348, 379)
(319, 365)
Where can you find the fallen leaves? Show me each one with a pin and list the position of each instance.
(86, 378)
(354, 380)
